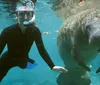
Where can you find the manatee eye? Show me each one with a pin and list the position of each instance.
(88, 27)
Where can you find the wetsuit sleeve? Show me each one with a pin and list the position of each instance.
(2, 41)
(42, 50)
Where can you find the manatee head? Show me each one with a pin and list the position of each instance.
(93, 31)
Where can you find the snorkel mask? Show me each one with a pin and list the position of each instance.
(28, 10)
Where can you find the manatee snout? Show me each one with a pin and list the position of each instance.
(95, 38)
(93, 30)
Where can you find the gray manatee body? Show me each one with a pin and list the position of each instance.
(79, 40)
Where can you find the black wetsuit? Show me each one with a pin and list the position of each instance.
(19, 45)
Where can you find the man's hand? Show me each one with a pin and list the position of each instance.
(60, 69)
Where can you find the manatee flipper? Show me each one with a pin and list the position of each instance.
(98, 70)
(79, 60)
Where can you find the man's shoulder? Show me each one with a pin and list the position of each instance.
(11, 26)
(34, 28)
(8, 28)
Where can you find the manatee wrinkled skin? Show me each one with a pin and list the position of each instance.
(78, 43)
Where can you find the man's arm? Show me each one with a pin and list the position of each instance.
(42, 50)
(45, 55)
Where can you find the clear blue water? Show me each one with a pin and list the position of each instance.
(47, 21)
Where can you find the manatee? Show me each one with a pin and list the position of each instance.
(78, 43)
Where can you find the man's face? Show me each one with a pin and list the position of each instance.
(24, 16)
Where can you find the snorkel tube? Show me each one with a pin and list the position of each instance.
(30, 21)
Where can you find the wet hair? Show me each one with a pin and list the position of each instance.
(11, 5)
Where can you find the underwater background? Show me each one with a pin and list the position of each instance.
(49, 24)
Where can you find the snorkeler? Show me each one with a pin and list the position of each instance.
(19, 39)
